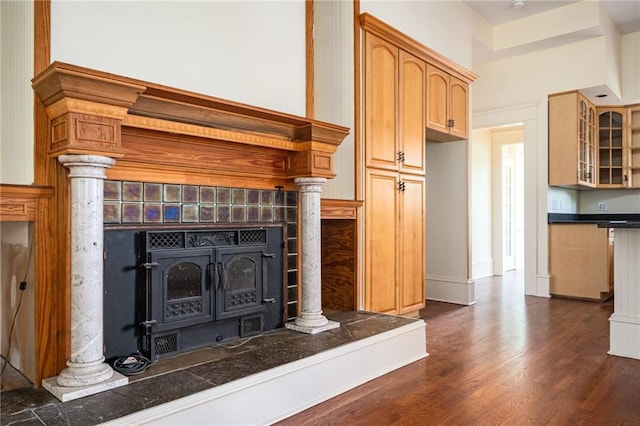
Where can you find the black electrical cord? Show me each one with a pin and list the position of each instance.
(23, 286)
(132, 364)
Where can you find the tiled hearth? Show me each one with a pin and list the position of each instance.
(221, 366)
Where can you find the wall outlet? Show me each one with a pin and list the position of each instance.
(602, 205)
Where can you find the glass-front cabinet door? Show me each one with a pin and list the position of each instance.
(611, 148)
(586, 143)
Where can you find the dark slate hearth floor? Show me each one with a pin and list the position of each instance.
(186, 374)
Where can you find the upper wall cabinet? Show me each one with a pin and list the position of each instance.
(394, 107)
(572, 140)
(447, 106)
(633, 147)
(592, 147)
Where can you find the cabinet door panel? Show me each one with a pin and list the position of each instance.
(380, 235)
(437, 92)
(458, 101)
(412, 230)
(381, 88)
(412, 112)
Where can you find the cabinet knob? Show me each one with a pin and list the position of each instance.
(401, 156)
(401, 186)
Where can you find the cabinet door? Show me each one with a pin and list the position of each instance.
(458, 107)
(633, 148)
(381, 103)
(437, 93)
(411, 236)
(412, 113)
(381, 230)
(611, 148)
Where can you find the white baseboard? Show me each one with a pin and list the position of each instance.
(260, 398)
(482, 269)
(451, 290)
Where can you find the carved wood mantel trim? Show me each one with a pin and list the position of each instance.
(19, 202)
(89, 108)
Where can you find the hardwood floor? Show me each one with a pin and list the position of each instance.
(508, 359)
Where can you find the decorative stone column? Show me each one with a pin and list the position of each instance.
(86, 371)
(311, 320)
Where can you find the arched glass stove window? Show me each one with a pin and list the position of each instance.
(242, 274)
(184, 280)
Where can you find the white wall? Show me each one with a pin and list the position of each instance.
(246, 51)
(16, 104)
(334, 87)
(481, 204)
(617, 200)
(630, 73)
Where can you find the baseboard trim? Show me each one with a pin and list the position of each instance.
(450, 290)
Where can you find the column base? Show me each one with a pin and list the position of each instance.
(624, 337)
(69, 393)
(330, 325)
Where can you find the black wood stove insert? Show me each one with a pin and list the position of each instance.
(168, 291)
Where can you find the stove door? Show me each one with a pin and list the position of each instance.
(181, 288)
(240, 279)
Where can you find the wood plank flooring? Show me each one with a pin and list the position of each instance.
(508, 359)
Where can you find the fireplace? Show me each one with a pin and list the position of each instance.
(189, 288)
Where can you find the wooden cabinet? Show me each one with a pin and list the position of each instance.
(572, 140)
(594, 147)
(394, 245)
(611, 148)
(394, 148)
(447, 106)
(633, 147)
(394, 107)
(580, 261)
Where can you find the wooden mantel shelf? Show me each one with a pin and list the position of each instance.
(90, 110)
(18, 202)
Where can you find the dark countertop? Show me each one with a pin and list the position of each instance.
(620, 220)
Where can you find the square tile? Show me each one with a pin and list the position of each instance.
(224, 195)
(131, 191)
(131, 213)
(223, 214)
(291, 214)
(152, 213)
(207, 213)
(239, 214)
(266, 214)
(292, 310)
(253, 196)
(266, 197)
(278, 214)
(253, 214)
(291, 198)
(207, 194)
(292, 261)
(112, 190)
(111, 212)
(190, 213)
(278, 198)
(292, 279)
(171, 193)
(292, 230)
(190, 194)
(239, 196)
(171, 213)
(292, 292)
(153, 192)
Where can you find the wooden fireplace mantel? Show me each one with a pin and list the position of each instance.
(189, 136)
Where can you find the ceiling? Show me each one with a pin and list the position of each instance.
(625, 14)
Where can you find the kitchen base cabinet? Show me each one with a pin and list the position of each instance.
(580, 259)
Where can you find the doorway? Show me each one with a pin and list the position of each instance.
(511, 209)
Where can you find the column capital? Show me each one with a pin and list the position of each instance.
(310, 184)
(88, 166)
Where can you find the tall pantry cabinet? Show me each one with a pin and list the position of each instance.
(395, 155)
(397, 122)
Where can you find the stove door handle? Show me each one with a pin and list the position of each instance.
(223, 275)
(214, 275)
